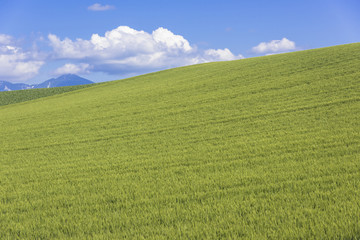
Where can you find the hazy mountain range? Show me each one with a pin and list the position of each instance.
(62, 81)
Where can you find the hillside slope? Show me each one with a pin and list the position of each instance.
(19, 96)
(258, 148)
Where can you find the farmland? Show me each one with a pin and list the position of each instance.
(257, 148)
(12, 97)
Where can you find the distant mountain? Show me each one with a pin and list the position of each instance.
(62, 81)
(8, 86)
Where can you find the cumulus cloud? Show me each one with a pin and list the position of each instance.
(16, 65)
(169, 41)
(275, 46)
(70, 68)
(125, 49)
(220, 55)
(99, 7)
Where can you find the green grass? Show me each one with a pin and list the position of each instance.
(12, 97)
(261, 148)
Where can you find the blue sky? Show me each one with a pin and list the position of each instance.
(108, 40)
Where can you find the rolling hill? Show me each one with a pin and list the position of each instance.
(260, 148)
(11, 97)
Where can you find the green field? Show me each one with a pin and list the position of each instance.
(260, 148)
(12, 97)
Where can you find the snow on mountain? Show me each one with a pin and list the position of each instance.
(62, 81)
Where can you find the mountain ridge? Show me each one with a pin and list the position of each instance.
(61, 81)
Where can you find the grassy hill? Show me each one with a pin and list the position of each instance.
(258, 148)
(12, 97)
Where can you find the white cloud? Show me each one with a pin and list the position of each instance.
(275, 46)
(5, 39)
(125, 49)
(221, 55)
(122, 50)
(170, 41)
(99, 7)
(73, 69)
(16, 65)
